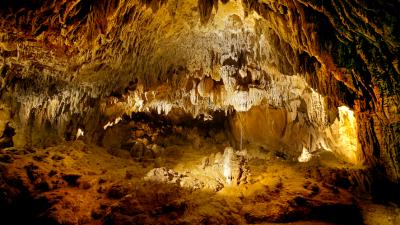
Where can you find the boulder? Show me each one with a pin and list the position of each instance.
(6, 139)
(163, 175)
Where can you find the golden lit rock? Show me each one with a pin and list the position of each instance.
(199, 112)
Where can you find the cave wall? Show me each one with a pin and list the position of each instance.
(358, 43)
(273, 129)
(79, 64)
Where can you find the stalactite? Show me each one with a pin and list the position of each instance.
(62, 59)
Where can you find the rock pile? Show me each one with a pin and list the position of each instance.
(186, 180)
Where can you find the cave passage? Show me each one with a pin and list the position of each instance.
(199, 112)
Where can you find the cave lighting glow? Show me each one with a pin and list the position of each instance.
(348, 133)
(305, 155)
(79, 133)
(344, 129)
(227, 165)
(112, 123)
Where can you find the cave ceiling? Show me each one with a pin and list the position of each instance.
(63, 59)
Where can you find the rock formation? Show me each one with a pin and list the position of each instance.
(291, 76)
(64, 62)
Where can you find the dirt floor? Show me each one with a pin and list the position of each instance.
(194, 182)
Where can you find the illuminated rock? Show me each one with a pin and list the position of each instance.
(186, 180)
(234, 166)
(305, 156)
(300, 74)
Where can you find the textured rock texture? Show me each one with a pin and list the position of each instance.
(79, 64)
(75, 183)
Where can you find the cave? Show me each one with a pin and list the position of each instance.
(199, 112)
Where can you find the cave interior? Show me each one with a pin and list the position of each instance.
(199, 112)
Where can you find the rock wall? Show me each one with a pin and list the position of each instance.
(357, 43)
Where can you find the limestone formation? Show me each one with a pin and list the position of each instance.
(63, 63)
(159, 83)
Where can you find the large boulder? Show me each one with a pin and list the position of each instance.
(6, 139)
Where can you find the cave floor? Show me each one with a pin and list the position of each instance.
(76, 183)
